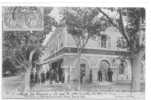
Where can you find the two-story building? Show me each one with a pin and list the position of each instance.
(100, 53)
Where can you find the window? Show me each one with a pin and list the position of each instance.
(122, 67)
(103, 41)
(109, 42)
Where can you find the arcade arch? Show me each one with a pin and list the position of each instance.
(104, 65)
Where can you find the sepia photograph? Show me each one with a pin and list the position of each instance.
(73, 52)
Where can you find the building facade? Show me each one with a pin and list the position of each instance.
(100, 53)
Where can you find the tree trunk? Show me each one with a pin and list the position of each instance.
(78, 65)
(136, 70)
(27, 80)
(28, 72)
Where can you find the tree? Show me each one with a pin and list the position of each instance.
(133, 35)
(8, 68)
(82, 24)
(24, 47)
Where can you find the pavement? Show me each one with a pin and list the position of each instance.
(13, 88)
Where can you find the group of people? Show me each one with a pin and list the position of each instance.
(51, 76)
(57, 75)
(108, 77)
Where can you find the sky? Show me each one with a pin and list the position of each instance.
(54, 14)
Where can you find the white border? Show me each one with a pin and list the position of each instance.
(92, 3)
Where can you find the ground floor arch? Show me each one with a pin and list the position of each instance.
(83, 69)
(104, 71)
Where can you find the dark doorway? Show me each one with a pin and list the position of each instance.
(82, 72)
(57, 73)
(104, 65)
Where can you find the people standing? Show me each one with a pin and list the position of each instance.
(100, 75)
(63, 76)
(82, 75)
(91, 76)
(60, 73)
(53, 78)
(110, 74)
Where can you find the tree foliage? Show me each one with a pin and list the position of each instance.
(8, 67)
(128, 23)
(17, 45)
(134, 27)
(83, 23)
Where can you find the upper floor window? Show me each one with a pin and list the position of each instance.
(103, 41)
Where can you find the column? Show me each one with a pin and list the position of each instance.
(94, 74)
(66, 71)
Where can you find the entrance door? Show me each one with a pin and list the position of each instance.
(104, 65)
(82, 72)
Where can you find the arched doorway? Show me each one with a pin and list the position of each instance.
(82, 72)
(103, 67)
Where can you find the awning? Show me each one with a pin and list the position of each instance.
(50, 60)
(68, 60)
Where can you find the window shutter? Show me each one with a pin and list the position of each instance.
(109, 42)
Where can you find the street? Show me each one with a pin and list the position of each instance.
(101, 91)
